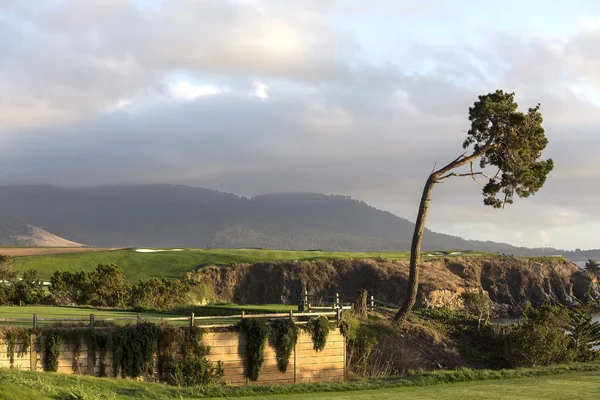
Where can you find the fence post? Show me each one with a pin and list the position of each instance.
(372, 302)
(338, 315)
(192, 320)
(243, 314)
(291, 315)
(35, 321)
(92, 320)
(139, 318)
(306, 305)
(337, 300)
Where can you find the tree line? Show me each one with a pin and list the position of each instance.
(103, 287)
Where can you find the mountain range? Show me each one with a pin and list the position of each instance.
(184, 216)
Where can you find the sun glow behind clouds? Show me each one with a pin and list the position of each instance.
(184, 90)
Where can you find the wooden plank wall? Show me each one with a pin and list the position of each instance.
(306, 364)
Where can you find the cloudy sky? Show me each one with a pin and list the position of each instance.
(349, 97)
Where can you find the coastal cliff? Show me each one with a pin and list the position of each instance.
(510, 281)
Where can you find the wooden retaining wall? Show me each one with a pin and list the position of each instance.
(306, 364)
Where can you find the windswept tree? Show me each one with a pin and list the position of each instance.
(508, 145)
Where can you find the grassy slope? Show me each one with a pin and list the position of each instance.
(173, 264)
(578, 381)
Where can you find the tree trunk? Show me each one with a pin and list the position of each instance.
(360, 306)
(415, 251)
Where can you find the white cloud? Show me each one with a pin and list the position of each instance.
(260, 90)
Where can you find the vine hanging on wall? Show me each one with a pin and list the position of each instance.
(99, 341)
(286, 336)
(17, 343)
(319, 328)
(51, 350)
(133, 349)
(256, 331)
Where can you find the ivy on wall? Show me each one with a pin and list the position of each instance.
(51, 350)
(319, 329)
(256, 331)
(13, 337)
(285, 332)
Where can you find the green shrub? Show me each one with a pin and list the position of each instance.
(540, 338)
(28, 290)
(193, 371)
(106, 287)
(256, 331)
(319, 328)
(159, 294)
(478, 305)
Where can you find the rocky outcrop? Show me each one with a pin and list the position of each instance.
(508, 280)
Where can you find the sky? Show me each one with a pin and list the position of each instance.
(352, 97)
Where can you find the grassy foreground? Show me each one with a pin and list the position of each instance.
(174, 264)
(575, 381)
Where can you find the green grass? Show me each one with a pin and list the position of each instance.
(176, 264)
(84, 313)
(71, 312)
(171, 264)
(577, 381)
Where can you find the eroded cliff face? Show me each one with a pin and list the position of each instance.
(508, 280)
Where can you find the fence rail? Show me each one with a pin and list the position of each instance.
(193, 320)
(338, 302)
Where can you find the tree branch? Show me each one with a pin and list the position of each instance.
(471, 174)
(461, 160)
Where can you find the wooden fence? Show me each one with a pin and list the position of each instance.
(311, 302)
(212, 321)
(306, 364)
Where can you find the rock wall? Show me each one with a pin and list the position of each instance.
(508, 280)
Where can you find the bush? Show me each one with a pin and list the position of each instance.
(28, 290)
(106, 287)
(479, 305)
(160, 294)
(194, 371)
(540, 338)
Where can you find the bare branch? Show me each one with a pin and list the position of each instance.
(433, 169)
(473, 176)
(497, 173)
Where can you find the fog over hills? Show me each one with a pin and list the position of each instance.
(183, 216)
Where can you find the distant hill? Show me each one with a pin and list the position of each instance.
(183, 216)
(15, 232)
